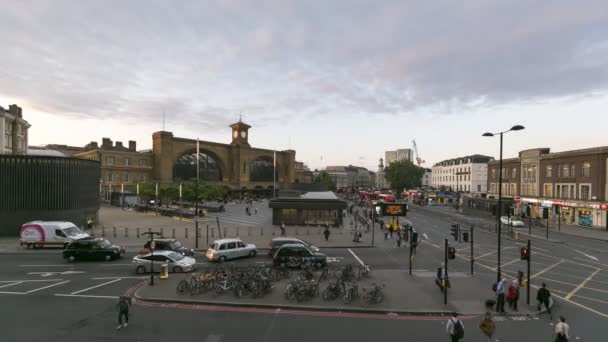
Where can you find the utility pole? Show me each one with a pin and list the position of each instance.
(196, 195)
(445, 276)
(472, 259)
(151, 234)
(528, 281)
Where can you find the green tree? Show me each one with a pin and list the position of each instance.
(325, 179)
(403, 174)
(147, 191)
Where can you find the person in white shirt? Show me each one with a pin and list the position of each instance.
(562, 330)
(455, 328)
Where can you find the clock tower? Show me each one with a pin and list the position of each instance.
(240, 133)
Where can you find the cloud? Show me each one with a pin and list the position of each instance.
(203, 63)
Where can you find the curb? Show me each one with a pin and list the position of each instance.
(446, 313)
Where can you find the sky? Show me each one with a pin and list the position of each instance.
(338, 81)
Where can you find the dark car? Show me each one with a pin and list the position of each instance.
(92, 249)
(276, 243)
(298, 255)
(168, 245)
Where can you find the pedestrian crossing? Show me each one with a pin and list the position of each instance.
(106, 287)
(237, 215)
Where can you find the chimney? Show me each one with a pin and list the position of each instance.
(118, 145)
(106, 144)
(15, 110)
(132, 146)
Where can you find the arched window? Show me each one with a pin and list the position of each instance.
(185, 167)
(261, 170)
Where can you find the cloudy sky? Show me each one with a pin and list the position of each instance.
(340, 81)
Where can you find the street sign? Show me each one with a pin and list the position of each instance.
(394, 209)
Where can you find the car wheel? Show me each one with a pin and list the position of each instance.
(30, 246)
(222, 259)
(177, 269)
(108, 257)
(71, 258)
(253, 254)
(140, 269)
(36, 246)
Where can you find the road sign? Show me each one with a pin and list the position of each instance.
(394, 209)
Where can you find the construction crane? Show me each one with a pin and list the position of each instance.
(418, 159)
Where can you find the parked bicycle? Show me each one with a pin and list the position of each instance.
(333, 290)
(351, 292)
(372, 295)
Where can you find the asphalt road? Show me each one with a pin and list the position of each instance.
(47, 299)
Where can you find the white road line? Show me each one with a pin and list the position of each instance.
(581, 285)
(6, 292)
(46, 287)
(356, 257)
(510, 262)
(29, 280)
(46, 265)
(485, 255)
(105, 278)
(113, 265)
(587, 255)
(546, 269)
(85, 296)
(96, 286)
(19, 282)
(425, 236)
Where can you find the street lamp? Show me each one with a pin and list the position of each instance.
(514, 128)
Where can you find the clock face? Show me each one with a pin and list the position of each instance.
(244, 134)
(235, 134)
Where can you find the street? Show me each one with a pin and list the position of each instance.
(76, 301)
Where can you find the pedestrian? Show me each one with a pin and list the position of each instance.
(282, 229)
(326, 233)
(513, 295)
(398, 239)
(385, 234)
(123, 311)
(89, 222)
(390, 230)
(562, 330)
(255, 210)
(500, 295)
(487, 326)
(543, 297)
(455, 328)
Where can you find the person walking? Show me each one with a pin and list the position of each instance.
(500, 295)
(487, 326)
(543, 296)
(455, 328)
(282, 229)
(562, 330)
(326, 233)
(513, 295)
(123, 311)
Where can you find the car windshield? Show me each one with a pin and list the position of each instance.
(104, 243)
(213, 246)
(176, 256)
(72, 231)
(176, 245)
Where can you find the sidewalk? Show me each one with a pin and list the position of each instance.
(403, 294)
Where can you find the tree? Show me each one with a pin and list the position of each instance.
(325, 179)
(403, 174)
(147, 191)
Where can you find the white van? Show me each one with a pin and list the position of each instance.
(38, 234)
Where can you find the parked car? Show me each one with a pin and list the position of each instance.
(298, 255)
(92, 249)
(224, 249)
(175, 261)
(168, 245)
(276, 243)
(37, 234)
(512, 221)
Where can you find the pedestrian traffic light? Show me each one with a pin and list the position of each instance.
(545, 213)
(557, 209)
(524, 253)
(520, 277)
(451, 253)
(454, 231)
(528, 211)
(414, 239)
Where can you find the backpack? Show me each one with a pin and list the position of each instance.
(458, 330)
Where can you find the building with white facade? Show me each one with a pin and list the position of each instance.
(13, 129)
(397, 155)
(466, 174)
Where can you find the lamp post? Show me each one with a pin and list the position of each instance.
(196, 196)
(499, 213)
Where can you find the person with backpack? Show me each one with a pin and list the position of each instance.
(500, 296)
(543, 296)
(562, 330)
(123, 311)
(455, 328)
(487, 326)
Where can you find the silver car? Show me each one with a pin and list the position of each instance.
(224, 249)
(176, 262)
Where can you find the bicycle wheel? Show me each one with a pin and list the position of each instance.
(378, 298)
(348, 297)
(290, 292)
(182, 286)
(366, 299)
(301, 295)
(326, 295)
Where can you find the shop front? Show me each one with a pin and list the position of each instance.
(308, 208)
(584, 214)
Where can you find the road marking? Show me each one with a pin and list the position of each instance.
(18, 293)
(48, 274)
(546, 269)
(46, 287)
(587, 255)
(19, 282)
(356, 257)
(112, 265)
(46, 265)
(105, 278)
(85, 296)
(425, 236)
(510, 262)
(581, 285)
(29, 280)
(96, 286)
(485, 255)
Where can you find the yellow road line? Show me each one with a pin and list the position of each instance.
(582, 284)
(547, 269)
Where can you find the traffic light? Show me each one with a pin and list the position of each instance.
(557, 209)
(414, 238)
(528, 211)
(545, 213)
(524, 253)
(451, 253)
(454, 231)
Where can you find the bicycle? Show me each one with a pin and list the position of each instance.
(372, 295)
(364, 271)
(351, 292)
(333, 290)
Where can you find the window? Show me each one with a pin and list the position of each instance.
(586, 169)
(59, 232)
(110, 160)
(127, 161)
(493, 188)
(478, 187)
(549, 171)
(513, 190)
(504, 173)
(572, 170)
(572, 191)
(127, 177)
(493, 173)
(231, 245)
(142, 178)
(110, 176)
(585, 192)
(143, 163)
(240, 244)
(514, 172)
(565, 191)
(548, 190)
(564, 170)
